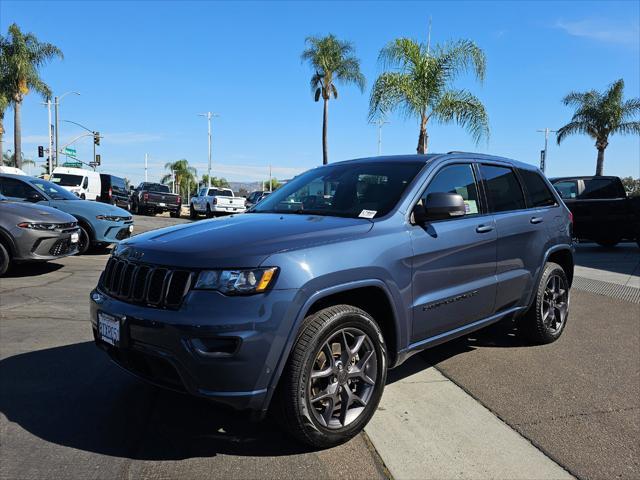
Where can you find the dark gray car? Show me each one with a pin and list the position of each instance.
(34, 233)
(342, 273)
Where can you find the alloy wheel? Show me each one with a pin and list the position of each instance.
(555, 304)
(342, 378)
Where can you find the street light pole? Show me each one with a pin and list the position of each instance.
(209, 116)
(56, 103)
(381, 122)
(543, 160)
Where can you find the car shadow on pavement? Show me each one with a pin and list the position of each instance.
(32, 269)
(74, 396)
(499, 335)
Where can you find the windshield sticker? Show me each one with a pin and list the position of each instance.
(368, 213)
(470, 207)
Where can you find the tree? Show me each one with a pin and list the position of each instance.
(5, 94)
(9, 159)
(333, 61)
(181, 175)
(23, 55)
(215, 181)
(601, 114)
(632, 186)
(275, 184)
(418, 82)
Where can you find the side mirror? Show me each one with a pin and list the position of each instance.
(34, 197)
(443, 205)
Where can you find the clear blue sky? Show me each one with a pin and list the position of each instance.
(145, 70)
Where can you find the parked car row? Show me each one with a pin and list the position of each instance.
(70, 224)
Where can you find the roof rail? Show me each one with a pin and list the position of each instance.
(456, 151)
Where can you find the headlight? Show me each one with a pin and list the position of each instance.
(112, 218)
(38, 226)
(237, 282)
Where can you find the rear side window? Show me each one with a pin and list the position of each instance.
(503, 189)
(10, 187)
(538, 194)
(456, 179)
(597, 188)
(118, 182)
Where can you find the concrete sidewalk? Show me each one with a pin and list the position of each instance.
(619, 265)
(428, 427)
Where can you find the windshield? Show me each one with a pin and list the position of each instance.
(365, 190)
(220, 192)
(66, 179)
(52, 190)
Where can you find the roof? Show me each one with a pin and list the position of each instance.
(429, 157)
(584, 177)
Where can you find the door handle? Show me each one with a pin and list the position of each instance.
(484, 228)
(536, 220)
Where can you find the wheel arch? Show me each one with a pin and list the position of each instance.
(562, 255)
(8, 242)
(372, 296)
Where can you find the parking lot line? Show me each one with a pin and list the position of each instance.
(428, 427)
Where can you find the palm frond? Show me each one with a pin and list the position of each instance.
(394, 91)
(572, 128)
(466, 110)
(628, 128)
(460, 56)
(400, 53)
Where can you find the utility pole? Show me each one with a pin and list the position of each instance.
(209, 116)
(145, 168)
(56, 103)
(270, 182)
(543, 156)
(380, 122)
(50, 128)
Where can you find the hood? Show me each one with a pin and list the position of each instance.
(29, 212)
(239, 241)
(88, 209)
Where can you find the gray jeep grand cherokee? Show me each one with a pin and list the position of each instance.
(305, 301)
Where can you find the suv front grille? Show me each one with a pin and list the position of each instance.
(143, 284)
(61, 247)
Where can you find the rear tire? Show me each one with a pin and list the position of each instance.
(209, 213)
(339, 357)
(5, 260)
(174, 213)
(192, 212)
(547, 317)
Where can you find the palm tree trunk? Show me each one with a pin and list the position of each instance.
(325, 152)
(600, 161)
(423, 138)
(17, 133)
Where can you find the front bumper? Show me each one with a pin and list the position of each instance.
(112, 232)
(222, 348)
(44, 245)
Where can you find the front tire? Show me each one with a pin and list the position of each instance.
(338, 359)
(5, 260)
(84, 242)
(545, 320)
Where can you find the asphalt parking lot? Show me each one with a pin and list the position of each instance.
(67, 412)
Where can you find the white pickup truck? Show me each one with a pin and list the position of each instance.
(215, 201)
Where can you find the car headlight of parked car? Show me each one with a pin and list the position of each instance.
(237, 282)
(112, 218)
(42, 226)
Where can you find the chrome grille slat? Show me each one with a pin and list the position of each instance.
(139, 283)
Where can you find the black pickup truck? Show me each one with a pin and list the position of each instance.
(601, 210)
(151, 198)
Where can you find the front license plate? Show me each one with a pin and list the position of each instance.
(108, 329)
(75, 237)
(162, 204)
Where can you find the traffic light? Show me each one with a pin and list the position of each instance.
(40, 151)
(96, 138)
(97, 160)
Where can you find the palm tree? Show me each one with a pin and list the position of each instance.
(9, 159)
(600, 114)
(420, 85)
(23, 55)
(215, 181)
(5, 94)
(333, 61)
(184, 175)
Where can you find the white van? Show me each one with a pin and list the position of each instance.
(84, 183)
(12, 170)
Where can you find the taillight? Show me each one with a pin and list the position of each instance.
(179, 200)
(145, 196)
(110, 192)
(571, 217)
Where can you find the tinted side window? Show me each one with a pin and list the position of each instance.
(601, 188)
(538, 194)
(503, 189)
(10, 187)
(456, 179)
(118, 182)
